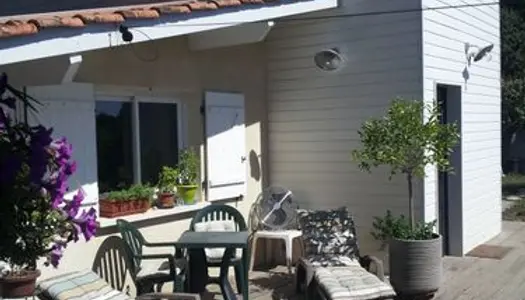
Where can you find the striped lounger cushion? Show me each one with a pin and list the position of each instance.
(82, 285)
(352, 283)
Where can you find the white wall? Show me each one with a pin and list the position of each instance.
(314, 115)
(444, 34)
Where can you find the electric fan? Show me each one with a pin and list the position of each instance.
(275, 208)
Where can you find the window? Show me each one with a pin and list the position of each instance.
(134, 140)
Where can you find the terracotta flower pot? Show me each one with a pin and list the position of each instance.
(165, 200)
(19, 285)
(112, 209)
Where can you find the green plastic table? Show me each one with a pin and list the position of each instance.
(196, 242)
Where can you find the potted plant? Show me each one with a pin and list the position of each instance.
(141, 196)
(188, 173)
(37, 221)
(167, 184)
(133, 200)
(405, 142)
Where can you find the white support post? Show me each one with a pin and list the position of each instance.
(72, 69)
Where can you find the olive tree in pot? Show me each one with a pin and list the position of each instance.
(407, 143)
(188, 175)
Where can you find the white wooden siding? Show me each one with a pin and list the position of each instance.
(314, 115)
(444, 34)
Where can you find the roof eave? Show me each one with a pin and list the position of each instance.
(57, 42)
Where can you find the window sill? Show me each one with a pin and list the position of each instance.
(154, 214)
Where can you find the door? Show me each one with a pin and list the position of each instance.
(70, 110)
(443, 178)
(225, 145)
(450, 197)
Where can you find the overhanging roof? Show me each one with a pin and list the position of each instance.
(26, 38)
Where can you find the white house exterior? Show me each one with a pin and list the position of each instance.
(293, 124)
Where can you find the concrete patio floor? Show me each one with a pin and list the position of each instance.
(464, 277)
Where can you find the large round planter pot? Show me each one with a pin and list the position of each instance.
(187, 193)
(415, 266)
(19, 286)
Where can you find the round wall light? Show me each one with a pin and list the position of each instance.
(329, 59)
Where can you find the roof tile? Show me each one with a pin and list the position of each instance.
(17, 28)
(227, 3)
(202, 5)
(139, 14)
(57, 22)
(173, 9)
(101, 18)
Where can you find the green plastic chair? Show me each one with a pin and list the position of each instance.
(153, 269)
(221, 212)
(113, 261)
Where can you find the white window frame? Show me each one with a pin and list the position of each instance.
(135, 124)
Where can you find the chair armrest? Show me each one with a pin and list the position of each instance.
(373, 265)
(170, 296)
(178, 251)
(307, 272)
(169, 257)
(161, 244)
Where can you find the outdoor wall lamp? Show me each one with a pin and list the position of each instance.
(127, 36)
(476, 53)
(329, 59)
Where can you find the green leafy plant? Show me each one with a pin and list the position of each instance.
(121, 195)
(168, 177)
(134, 192)
(407, 143)
(399, 227)
(188, 167)
(141, 192)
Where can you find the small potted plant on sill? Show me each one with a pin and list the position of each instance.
(37, 220)
(407, 143)
(188, 173)
(126, 202)
(141, 196)
(167, 184)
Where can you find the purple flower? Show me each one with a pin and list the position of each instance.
(72, 207)
(57, 251)
(70, 168)
(87, 221)
(63, 150)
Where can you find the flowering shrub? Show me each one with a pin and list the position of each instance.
(35, 219)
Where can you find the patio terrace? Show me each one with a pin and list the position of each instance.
(464, 277)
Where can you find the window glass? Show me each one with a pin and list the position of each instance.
(158, 138)
(114, 145)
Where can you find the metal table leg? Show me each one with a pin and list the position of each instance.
(246, 265)
(198, 271)
(226, 288)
